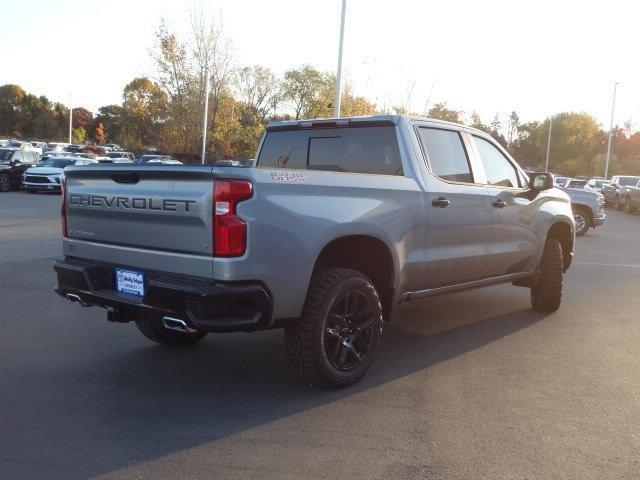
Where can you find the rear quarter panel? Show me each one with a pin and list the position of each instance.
(293, 214)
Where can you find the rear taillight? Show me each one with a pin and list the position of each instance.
(229, 230)
(63, 206)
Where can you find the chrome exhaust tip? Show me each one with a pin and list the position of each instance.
(73, 298)
(177, 324)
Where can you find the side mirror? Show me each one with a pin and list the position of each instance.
(540, 181)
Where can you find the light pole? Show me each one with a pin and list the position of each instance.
(70, 118)
(546, 164)
(613, 109)
(206, 115)
(336, 104)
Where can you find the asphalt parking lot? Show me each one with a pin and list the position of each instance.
(473, 385)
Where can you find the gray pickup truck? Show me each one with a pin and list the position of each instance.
(335, 223)
(588, 209)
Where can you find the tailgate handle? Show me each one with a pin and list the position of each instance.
(126, 177)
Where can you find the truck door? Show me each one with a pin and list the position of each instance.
(459, 217)
(513, 241)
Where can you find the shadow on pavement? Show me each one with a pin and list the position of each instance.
(150, 401)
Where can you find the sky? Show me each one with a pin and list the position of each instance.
(489, 56)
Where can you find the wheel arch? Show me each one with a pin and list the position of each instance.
(367, 254)
(563, 232)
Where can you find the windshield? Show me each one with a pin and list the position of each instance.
(116, 155)
(600, 183)
(57, 162)
(577, 184)
(628, 181)
(5, 155)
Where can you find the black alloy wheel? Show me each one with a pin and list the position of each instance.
(351, 330)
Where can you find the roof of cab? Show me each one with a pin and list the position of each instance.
(373, 119)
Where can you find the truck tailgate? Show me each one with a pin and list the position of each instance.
(163, 207)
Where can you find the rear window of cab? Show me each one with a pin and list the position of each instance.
(372, 150)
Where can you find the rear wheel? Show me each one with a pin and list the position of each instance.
(154, 330)
(546, 294)
(5, 183)
(582, 220)
(335, 342)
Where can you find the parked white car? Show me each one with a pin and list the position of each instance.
(48, 175)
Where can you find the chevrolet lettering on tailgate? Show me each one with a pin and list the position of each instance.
(138, 203)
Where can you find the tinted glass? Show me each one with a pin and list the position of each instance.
(5, 155)
(628, 181)
(367, 150)
(58, 162)
(284, 150)
(446, 154)
(498, 169)
(358, 150)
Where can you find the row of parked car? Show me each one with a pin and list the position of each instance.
(38, 166)
(623, 193)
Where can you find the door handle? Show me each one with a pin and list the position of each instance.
(440, 202)
(499, 203)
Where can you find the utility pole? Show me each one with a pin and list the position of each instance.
(546, 164)
(70, 117)
(206, 115)
(613, 109)
(336, 104)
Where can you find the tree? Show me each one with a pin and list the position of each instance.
(440, 111)
(82, 117)
(301, 88)
(78, 135)
(260, 90)
(11, 97)
(100, 136)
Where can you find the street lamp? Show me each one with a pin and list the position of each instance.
(70, 118)
(336, 104)
(546, 164)
(206, 115)
(613, 109)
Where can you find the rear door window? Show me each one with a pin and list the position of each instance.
(446, 154)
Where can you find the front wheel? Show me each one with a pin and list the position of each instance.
(581, 219)
(335, 342)
(154, 330)
(546, 294)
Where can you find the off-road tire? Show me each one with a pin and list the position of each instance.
(305, 339)
(581, 212)
(152, 328)
(5, 183)
(546, 294)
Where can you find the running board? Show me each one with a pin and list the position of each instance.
(460, 287)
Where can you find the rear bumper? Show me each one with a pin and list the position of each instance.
(205, 306)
